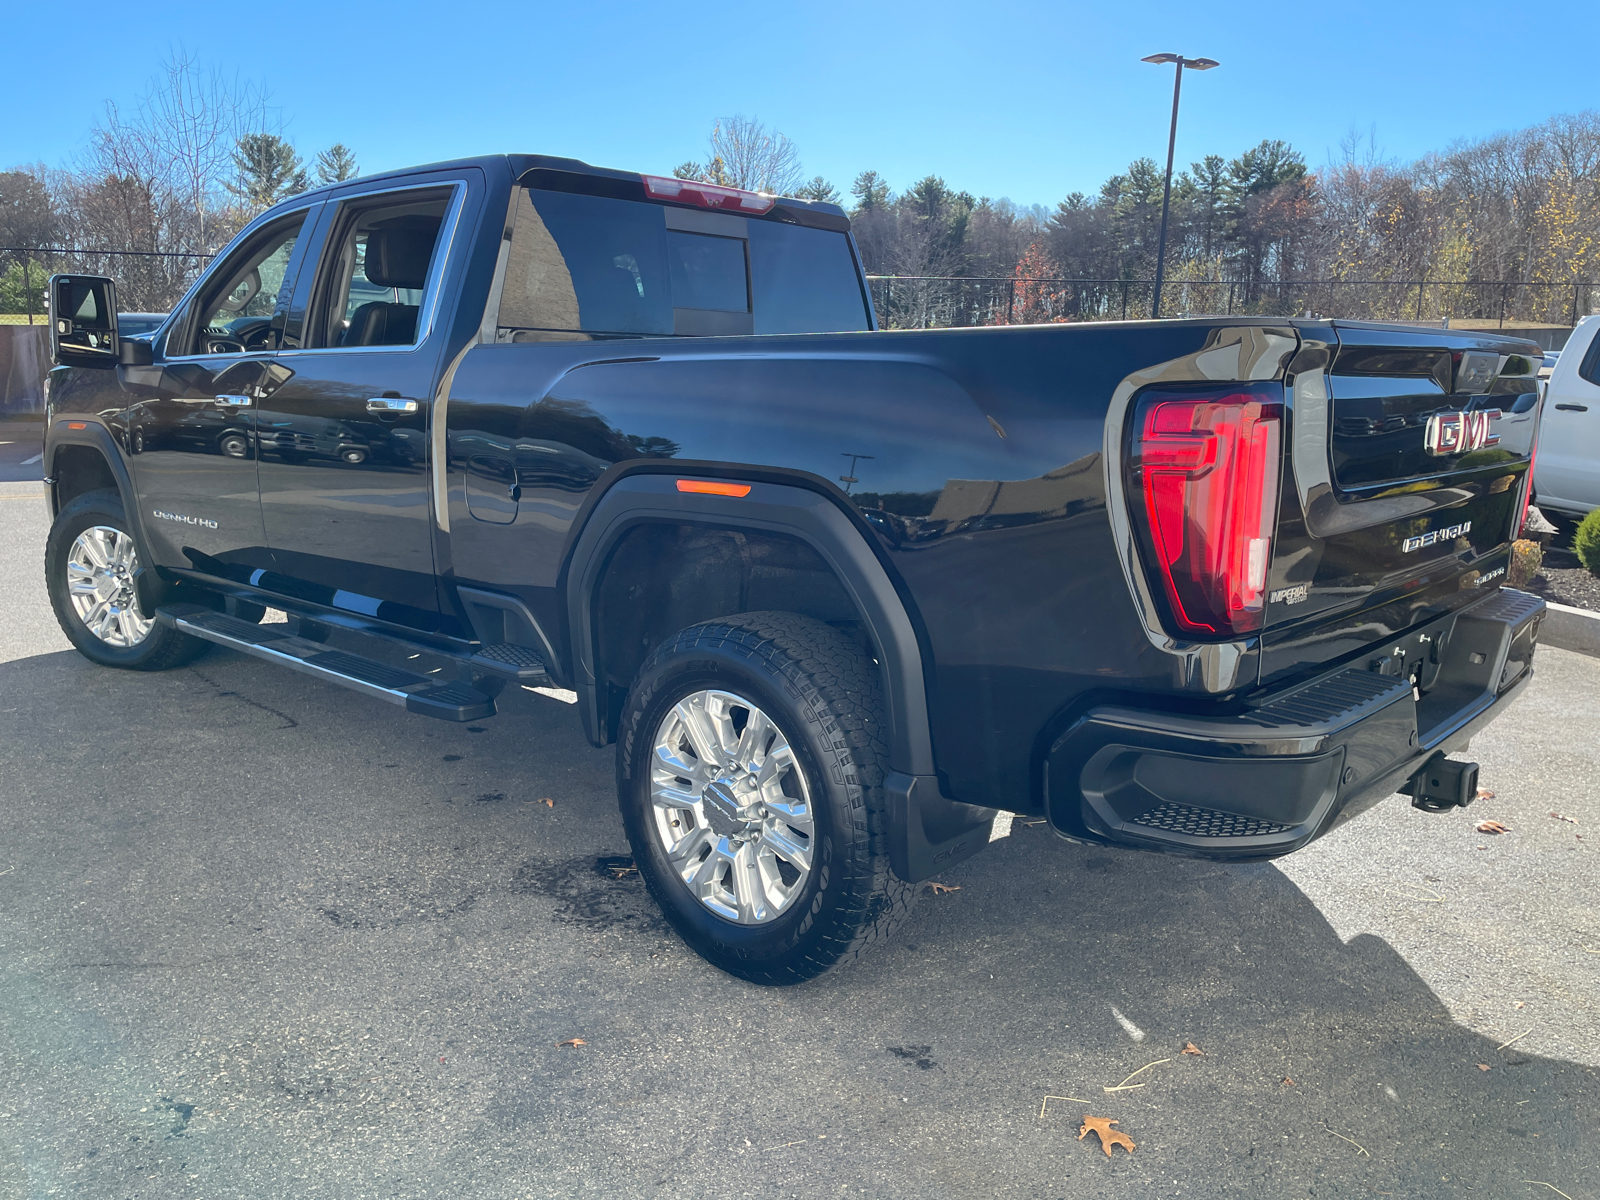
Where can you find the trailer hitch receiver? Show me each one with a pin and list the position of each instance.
(1442, 785)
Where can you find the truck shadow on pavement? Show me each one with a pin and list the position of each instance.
(239, 894)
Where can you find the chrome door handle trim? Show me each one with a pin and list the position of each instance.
(228, 400)
(391, 404)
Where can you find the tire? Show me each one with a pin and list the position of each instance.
(123, 635)
(814, 833)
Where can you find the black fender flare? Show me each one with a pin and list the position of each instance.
(93, 433)
(928, 831)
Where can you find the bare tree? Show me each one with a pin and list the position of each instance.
(744, 154)
(183, 130)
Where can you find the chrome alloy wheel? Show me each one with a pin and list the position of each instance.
(100, 582)
(731, 805)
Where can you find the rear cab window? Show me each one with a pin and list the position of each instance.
(587, 266)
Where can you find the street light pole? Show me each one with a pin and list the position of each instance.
(1194, 64)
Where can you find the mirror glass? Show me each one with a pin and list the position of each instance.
(83, 320)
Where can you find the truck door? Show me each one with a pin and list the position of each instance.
(344, 441)
(192, 431)
(1567, 473)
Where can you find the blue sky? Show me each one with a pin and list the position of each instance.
(1002, 98)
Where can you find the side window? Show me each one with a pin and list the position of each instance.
(1589, 368)
(586, 266)
(582, 265)
(236, 305)
(380, 257)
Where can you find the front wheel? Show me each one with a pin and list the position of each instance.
(750, 766)
(92, 573)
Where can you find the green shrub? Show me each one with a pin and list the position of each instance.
(1586, 542)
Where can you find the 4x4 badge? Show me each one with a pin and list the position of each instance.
(1458, 432)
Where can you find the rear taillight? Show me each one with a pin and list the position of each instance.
(707, 195)
(1204, 466)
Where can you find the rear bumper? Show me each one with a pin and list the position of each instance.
(1266, 781)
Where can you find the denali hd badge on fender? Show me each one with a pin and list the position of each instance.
(1434, 536)
(1458, 432)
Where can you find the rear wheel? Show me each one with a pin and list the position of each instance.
(750, 766)
(92, 573)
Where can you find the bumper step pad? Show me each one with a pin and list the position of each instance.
(1265, 780)
(422, 694)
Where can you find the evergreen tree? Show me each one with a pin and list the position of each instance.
(336, 164)
(269, 170)
(871, 191)
(818, 189)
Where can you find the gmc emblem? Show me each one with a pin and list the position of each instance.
(1459, 432)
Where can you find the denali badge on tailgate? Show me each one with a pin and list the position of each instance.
(1458, 432)
(1435, 536)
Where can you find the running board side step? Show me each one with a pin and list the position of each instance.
(419, 694)
(510, 661)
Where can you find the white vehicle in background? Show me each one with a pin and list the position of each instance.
(1566, 473)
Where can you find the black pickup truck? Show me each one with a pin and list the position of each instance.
(841, 597)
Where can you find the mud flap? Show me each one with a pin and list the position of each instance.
(927, 832)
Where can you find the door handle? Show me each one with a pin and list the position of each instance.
(1572, 408)
(227, 400)
(391, 404)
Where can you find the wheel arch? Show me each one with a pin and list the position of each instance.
(87, 459)
(651, 504)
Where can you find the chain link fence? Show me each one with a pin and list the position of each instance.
(146, 280)
(944, 301)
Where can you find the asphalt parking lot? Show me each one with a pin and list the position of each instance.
(260, 937)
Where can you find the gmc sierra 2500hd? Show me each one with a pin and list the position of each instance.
(1206, 587)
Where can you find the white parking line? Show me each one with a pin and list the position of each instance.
(28, 462)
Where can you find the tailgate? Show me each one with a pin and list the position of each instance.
(1409, 451)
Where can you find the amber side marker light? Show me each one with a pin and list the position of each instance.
(76, 425)
(709, 488)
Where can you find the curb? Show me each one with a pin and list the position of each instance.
(1568, 628)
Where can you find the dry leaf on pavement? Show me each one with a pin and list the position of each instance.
(944, 889)
(1109, 1137)
(1191, 1048)
(1564, 817)
(1485, 794)
(1491, 827)
(1483, 1066)
(572, 1042)
(1287, 1082)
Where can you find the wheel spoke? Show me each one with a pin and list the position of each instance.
(128, 624)
(671, 797)
(702, 737)
(778, 760)
(93, 549)
(100, 618)
(747, 886)
(753, 741)
(671, 764)
(705, 874)
(685, 856)
(781, 840)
